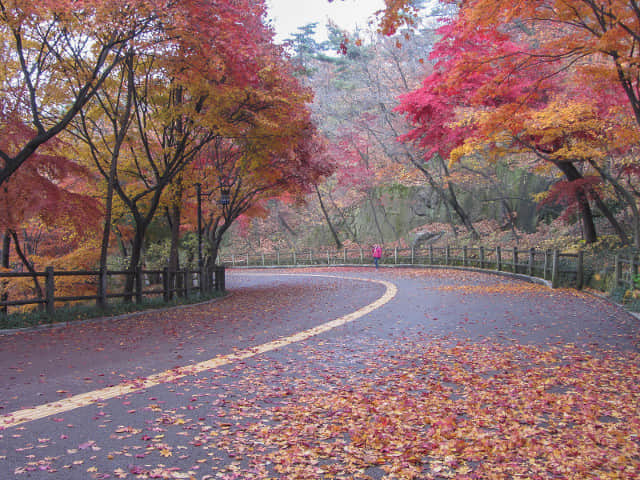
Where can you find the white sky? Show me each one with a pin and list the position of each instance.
(288, 15)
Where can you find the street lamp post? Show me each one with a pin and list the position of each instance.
(225, 199)
(225, 195)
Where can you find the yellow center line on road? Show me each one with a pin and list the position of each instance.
(96, 396)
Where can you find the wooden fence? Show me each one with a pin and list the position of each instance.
(147, 283)
(557, 267)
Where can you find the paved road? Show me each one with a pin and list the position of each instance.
(186, 393)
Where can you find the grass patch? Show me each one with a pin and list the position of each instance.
(84, 312)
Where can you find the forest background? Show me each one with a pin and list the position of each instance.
(465, 123)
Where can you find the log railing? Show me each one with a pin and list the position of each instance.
(147, 283)
(560, 268)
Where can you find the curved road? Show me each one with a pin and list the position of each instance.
(217, 390)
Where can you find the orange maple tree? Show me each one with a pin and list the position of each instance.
(56, 55)
(532, 85)
(47, 211)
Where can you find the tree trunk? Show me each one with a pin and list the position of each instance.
(612, 219)
(326, 217)
(6, 245)
(121, 244)
(108, 209)
(174, 215)
(451, 198)
(375, 217)
(462, 214)
(214, 237)
(625, 196)
(589, 228)
(346, 224)
(120, 126)
(27, 263)
(453, 201)
(136, 253)
(285, 225)
(452, 223)
(511, 219)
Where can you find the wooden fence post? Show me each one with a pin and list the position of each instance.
(50, 285)
(464, 256)
(430, 254)
(277, 257)
(361, 256)
(515, 260)
(447, 251)
(395, 256)
(138, 283)
(618, 271)
(166, 284)
(481, 257)
(634, 270)
(188, 279)
(580, 271)
(413, 254)
(181, 279)
(295, 260)
(263, 259)
(328, 258)
(102, 288)
(532, 253)
(498, 258)
(555, 269)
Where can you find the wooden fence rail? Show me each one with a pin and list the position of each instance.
(165, 282)
(553, 265)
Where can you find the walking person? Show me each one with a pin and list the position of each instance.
(376, 252)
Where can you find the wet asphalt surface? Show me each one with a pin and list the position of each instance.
(167, 430)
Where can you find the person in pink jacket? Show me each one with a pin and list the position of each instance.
(376, 252)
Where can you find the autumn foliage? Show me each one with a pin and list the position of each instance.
(108, 109)
(551, 83)
(113, 112)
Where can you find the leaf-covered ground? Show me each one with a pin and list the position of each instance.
(516, 392)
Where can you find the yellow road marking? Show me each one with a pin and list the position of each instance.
(85, 399)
